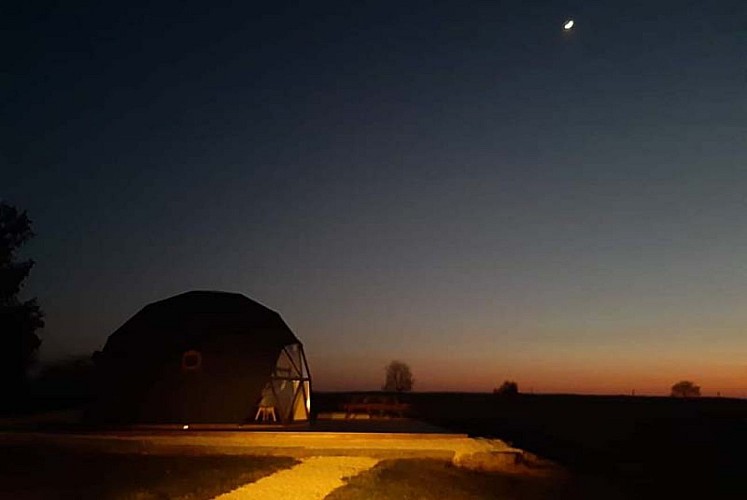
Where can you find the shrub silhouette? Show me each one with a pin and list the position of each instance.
(685, 389)
(507, 388)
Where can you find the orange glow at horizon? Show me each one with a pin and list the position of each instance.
(725, 379)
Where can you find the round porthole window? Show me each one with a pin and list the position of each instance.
(191, 360)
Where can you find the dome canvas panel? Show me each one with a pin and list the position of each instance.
(199, 357)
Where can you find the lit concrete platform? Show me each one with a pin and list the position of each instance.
(283, 443)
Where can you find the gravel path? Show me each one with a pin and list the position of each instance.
(314, 478)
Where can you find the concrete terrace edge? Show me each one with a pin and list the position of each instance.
(455, 447)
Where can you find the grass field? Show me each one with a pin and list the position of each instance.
(43, 473)
(644, 447)
(427, 479)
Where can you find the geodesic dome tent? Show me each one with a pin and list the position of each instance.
(201, 357)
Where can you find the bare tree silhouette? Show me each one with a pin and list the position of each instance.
(398, 377)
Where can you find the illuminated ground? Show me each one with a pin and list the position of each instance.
(313, 479)
(40, 471)
(327, 458)
(327, 455)
(641, 446)
(292, 444)
(309, 465)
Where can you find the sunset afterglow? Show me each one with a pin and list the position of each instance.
(401, 182)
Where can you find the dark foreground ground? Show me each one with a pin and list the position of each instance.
(54, 473)
(643, 447)
(35, 472)
(430, 479)
(613, 447)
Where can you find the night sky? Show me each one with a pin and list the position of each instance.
(460, 185)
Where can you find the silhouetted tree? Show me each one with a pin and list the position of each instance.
(19, 319)
(685, 389)
(398, 377)
(507, 388)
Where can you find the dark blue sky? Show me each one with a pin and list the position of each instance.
(460, 185)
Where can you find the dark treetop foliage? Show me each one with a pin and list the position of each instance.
(685, 389)
(398, 377)
(19, 319)
(507, 388)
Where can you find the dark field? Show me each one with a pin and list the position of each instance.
(425, 479)
(49, 473)
(642, 447)
(429, 479)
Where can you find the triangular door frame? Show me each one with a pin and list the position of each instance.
(303, 375)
